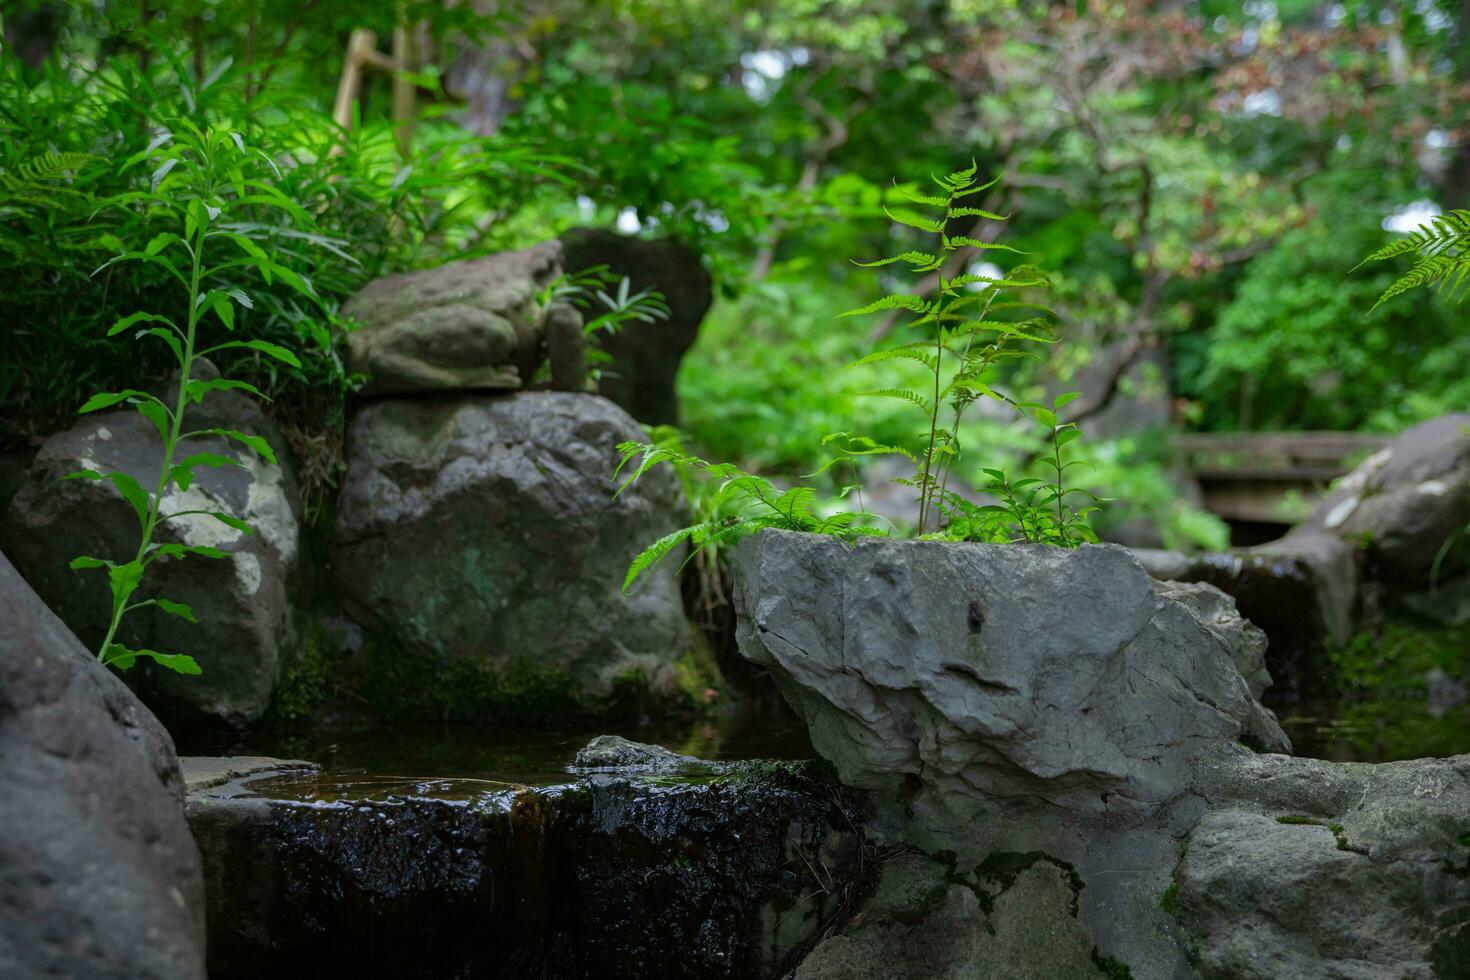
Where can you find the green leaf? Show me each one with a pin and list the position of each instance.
(85, 562)
(170, 340)
(128, 321)
(283, 354)
(656, 552)
(159, 415)
(920, 261)
(176, 609)
(198, 389)
(913, 220)
(124, 581)
(903, 394)
(132, 491)
(108, 399)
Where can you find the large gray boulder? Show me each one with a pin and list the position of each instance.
(1404, 502)
(1074, 748)
(1325, 871)
(476, 324)
(646, 356)
(99, 876)
(487, 528)
(245, 603)
(982, 683)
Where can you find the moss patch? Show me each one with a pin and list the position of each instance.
(303, 686)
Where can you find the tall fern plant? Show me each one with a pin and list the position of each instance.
(965, 339)
(204, 181)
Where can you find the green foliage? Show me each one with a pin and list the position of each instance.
(603, 311)
(66, 139)
(1442, 248)
(1291, 347)
(967, 341)
(205, 185)
(730, 505)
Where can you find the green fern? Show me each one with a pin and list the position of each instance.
(729, 502)
(1443, 249)
(38, 182)
(964, 341)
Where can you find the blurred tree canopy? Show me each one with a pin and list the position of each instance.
(1200, 176)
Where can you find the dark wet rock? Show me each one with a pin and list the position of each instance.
(613, 752)
(485, 529)
(1404, 502)
(477, 324)
(245, 603)
(646, 356)
(730, 875)
(1319, 870)
(99, 876)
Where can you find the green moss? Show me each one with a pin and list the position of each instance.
(698, 678)
(1394, 658)
(1169, 901)
(1298, 819)
(392, 683)
(303, 687)
(1109, 967)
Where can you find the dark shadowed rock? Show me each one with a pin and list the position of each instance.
(646, 356)
(476, 324)
(487, 528)
(245, 602)
(730, 875)
(99, 876)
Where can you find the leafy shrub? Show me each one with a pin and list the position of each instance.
(205, 185)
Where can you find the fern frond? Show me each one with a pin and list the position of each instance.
(905, 301)
(912, 352)
(657, 552)
(915, 221)
(903, 394)
(921, 261)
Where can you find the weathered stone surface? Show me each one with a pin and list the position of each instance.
(1063, 736)
(1320, 870)
(732, 875)
(487, 528)
(646, 356)
(615, 753)
(470, 325)
(245, 603)
(1216, 612)
(98, 874)
(1014, 917)
(1301, 591)
(1403, 502)
(976, 682)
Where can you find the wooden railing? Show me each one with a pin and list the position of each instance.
(1269, 476)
